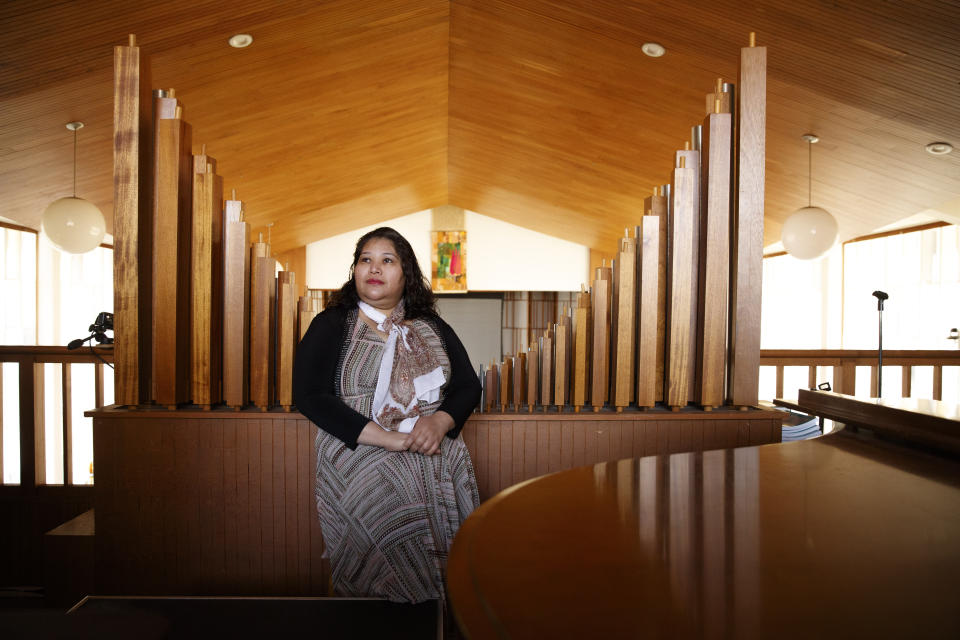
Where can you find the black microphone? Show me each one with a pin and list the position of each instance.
(76, 344)
(880, 296)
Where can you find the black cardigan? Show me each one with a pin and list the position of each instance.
(315, 372)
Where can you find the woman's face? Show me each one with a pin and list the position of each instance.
(379, 275)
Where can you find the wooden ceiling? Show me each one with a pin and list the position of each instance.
(542, 113)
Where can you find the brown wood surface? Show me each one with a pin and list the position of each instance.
(506, 383)
(519, 369)
(545, 114)
(533, 375)
(582, 344)
(714, 259)
(624, 330)
(563, 337)
(286, 336)
(236, 301)
(649, 312)
(171, 263)
(66, 412)
(718, 543)
(262, 292)
(489, 389)
(206, 272)
(219, 503)
(679, 339)
(929, 422)
(132, 193)
(691, 160)
(747, 260)
(546, 369)
(656, 205)
(601, 305)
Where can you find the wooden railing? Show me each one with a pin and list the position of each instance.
(845, 362)
(31, 361)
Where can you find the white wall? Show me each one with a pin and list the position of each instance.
(500, 256)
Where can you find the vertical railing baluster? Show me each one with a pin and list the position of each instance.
(906, 380)
(779, 380)
(938, 382)
(97, 384)
(67, 433)
(874, 381)
(812, 377)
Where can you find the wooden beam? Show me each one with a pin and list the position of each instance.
(206, 272)
(171, 261)
(236, 300)
(132, 211)
(649, 313)
(714, 253)
(746, 284)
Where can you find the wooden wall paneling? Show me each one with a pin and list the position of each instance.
(649, 312)
(236, 305)
(206, 272)
(506, 383)
(692, 161)
(600, 305)
(561, 360)
(171, 259)
(533, 374)
(679, 355)
(262, 289)
(624, 334)
(286, 336)
(716, 173)
(132, 221)
(582, 343)
(656, 205)
(746, 283)
(546, 369)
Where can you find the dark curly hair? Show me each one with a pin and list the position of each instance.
(418, 299)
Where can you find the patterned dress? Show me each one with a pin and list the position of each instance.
(389, 518)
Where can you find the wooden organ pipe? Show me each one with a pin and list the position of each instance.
(714, 260)
(286, 340)
(680, 295)
(172, 206)
(649, 313)
(206, 291)
(533, 375)
(691, 161)
(600, 306)
(624, 332)
(546, 369)
(581, 342)
(262, 322)
(747, 276)
(236, 302)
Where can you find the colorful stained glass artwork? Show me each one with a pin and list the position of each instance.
(449, 261)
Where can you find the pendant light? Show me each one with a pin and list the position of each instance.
(810, 231)
(73, 224)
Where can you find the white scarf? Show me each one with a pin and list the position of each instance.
(388, 409)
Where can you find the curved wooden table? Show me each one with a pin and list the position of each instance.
(835, 536)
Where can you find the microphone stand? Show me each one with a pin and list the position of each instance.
(881, 296)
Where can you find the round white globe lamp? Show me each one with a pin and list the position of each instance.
(73, 224)
(810, 231)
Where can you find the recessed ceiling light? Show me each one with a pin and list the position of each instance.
(653, 49)
(939, 148)
(241, 40)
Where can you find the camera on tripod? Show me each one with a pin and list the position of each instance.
(98, 329)
(103, 323)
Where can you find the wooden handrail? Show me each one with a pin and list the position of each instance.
(30, 361)
(846, 361)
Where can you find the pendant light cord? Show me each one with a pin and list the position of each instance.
(809, 173)
(74, 163)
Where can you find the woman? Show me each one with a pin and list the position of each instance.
(390, 386)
